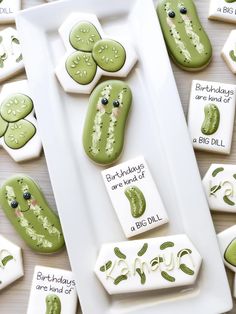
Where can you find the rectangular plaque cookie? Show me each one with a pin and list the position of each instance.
(211, 116)
(223, 10)
(52, 291)
(135, 197)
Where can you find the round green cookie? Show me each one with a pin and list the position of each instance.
(3, 126)
(81, 67)
(16, 107)
(109, 55)
(19, 133)
(83, 36)
(104, 128)
(26, 208)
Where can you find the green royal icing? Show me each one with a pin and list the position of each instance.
(16, 107)
(81, 67)
(232, 55)
(109, 55)
(32, 218)
(19, 133)
(186, 40)
(137, 201)
(230, 253)
(230, 1)
(104, 128)
(53, 304)
(212, 119)
(83, 36)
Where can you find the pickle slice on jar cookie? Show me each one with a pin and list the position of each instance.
(186, 40)
(25, 206)
(104, 128)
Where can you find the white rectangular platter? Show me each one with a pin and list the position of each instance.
(156, 129)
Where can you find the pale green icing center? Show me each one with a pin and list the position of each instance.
(81, 67)
(109, 55)
(83, 36)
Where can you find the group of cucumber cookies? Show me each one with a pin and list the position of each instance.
(128, 266)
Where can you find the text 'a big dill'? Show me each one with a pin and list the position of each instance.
(149, 264)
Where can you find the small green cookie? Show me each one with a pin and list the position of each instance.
(3, 126)
(16, 107)
(19, 133)
(109, 55)
(104, 127)
(24, 205)
(53, 304)
(81, 67)
(83, 36)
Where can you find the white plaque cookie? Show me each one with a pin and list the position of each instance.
(8, 9)
(223, 10)
(149, 264)
(211, 116)
(220, 187)
(18, 126)
(90, 53)
(11, 264)
(11, 61)
(227, 243)
(134, 196)
(52, 291)
(228, 52)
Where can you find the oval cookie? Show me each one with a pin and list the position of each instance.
(25, 206)
(186, 40)
(104, 128)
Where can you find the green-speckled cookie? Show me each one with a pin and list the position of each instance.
(109, 55)
(186, 40)
(24, 205)
(104, 128)
(53, 304)
(81, 67)
(83, 36)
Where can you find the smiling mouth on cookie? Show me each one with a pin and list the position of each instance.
(23, 211)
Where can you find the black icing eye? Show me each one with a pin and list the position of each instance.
(104, 101)
(27, 196)
(14, 204)
(171, 14)
(183, 10)
(116, 103)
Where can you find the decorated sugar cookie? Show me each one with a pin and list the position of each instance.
(186, 40)
(220, 187)
(25, 206)
(90, 54)
(18, 126)
(223, 10)
(227, 243)
(149, 264)
(8, 10)
(228, 52)
(11, 264)
(58, 295)
(211, 116)
(104, 127)
(134, 196)
(11, 61)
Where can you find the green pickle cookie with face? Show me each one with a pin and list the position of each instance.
(186, 40)
(104, 128)
(25, 206)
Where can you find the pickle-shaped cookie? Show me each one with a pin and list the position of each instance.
(24, 205)
(53, 304)
(230, 253)
(137, 201)
(212, 119)
(186, 40)
(104, 128)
